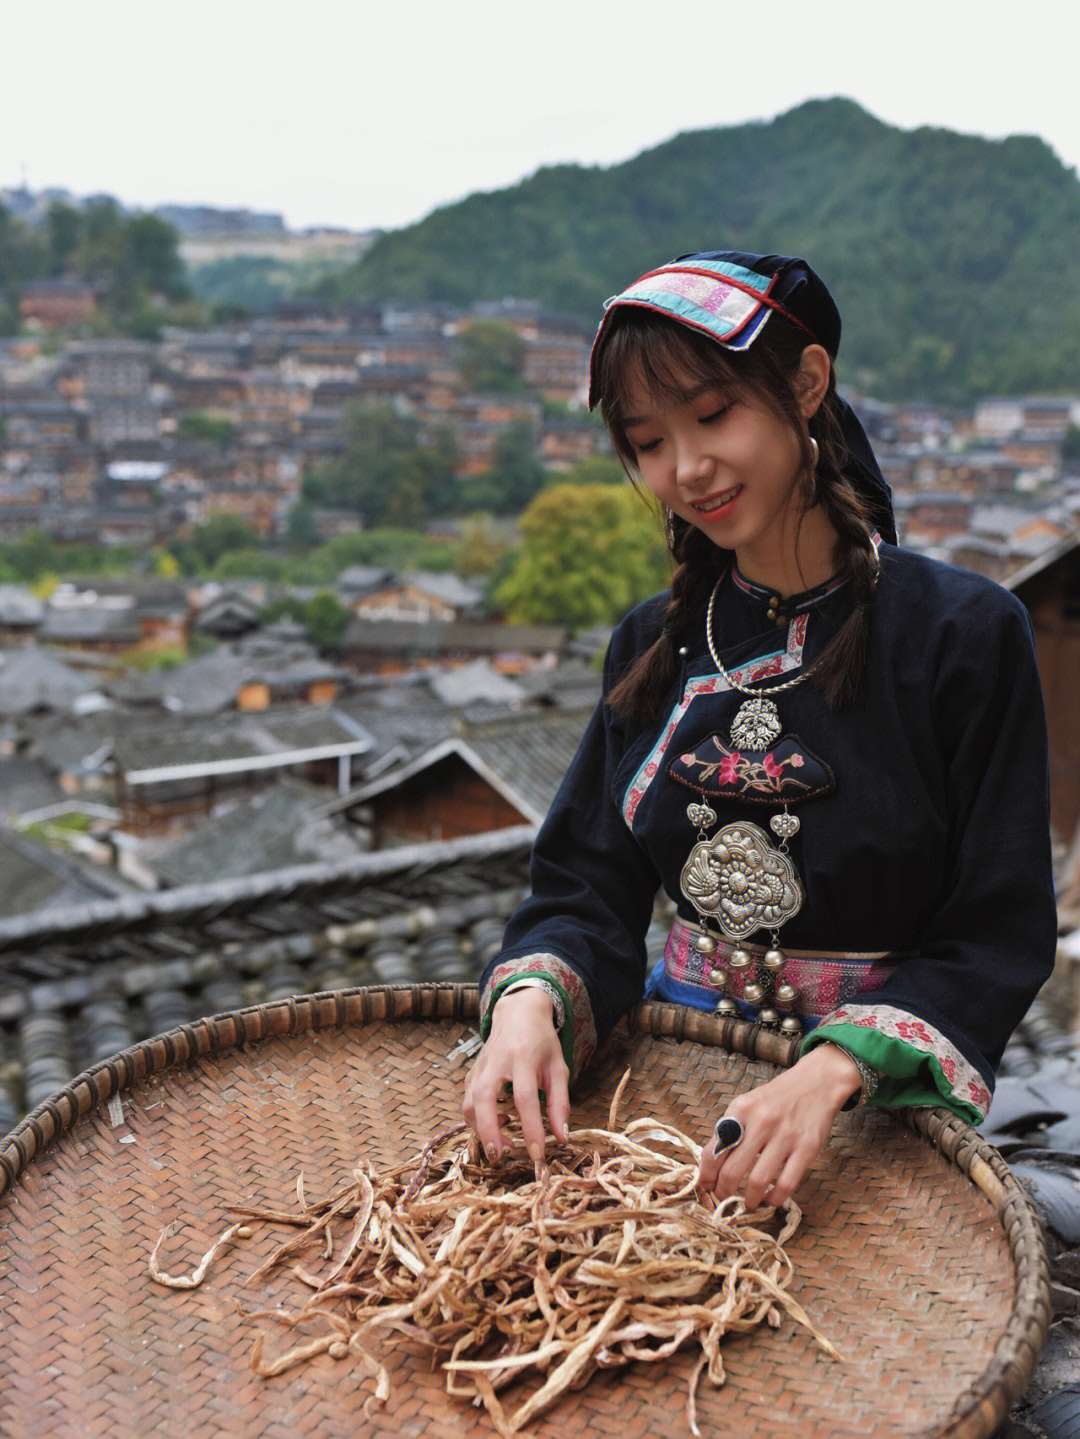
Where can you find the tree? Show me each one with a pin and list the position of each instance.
(62, 227)
(205, 425)
(479, 547)
(152, 256)
(596, 470)
(218, 535)
(386, 471)
(588, 554)
(517, 472)
(301, 531)
(490, 356)
(325, 617)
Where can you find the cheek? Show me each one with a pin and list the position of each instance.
(653, 479)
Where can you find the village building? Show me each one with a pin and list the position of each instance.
(60, 304)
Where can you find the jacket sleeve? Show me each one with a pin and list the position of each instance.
(583, 925)
(937, 1028)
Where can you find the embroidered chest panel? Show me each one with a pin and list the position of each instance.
(786, 773)
(789, 658)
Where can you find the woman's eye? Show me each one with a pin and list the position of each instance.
(714, 415)
(643, 447)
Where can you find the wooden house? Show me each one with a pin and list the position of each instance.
(1050, 589)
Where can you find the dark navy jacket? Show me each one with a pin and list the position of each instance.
(934, 843)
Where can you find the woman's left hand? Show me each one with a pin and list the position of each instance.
(786, 1123)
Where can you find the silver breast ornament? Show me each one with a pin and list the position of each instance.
(737, 877)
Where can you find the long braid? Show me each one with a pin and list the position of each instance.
(638, 694)
(843, 660)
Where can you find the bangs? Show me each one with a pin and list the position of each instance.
(646, 352)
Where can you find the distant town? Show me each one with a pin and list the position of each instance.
(160, 727)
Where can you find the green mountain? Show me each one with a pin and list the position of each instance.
(955, 260)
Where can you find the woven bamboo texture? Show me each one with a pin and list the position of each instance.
(919, 1256)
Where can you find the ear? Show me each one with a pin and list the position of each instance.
(812, 379)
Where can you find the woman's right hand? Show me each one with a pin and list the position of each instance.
(523, 1051)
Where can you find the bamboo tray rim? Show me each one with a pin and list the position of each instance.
(977, 1412)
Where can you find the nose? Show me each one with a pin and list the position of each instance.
(692, 463)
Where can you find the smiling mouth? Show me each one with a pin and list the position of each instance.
(716, 502)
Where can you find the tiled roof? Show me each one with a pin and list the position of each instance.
(89, 624)
(26, 784)
(32, 679)
(280, 826)
(20, 606)
(35, 878)
(143, 743)
(81, 983)
(447, 637)
(476, 681)
(530, 752)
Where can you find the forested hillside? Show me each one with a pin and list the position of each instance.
(955, 260)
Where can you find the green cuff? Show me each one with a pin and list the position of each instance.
(909, 1076)
(566, 1034)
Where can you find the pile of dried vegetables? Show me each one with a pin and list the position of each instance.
(602, 1255)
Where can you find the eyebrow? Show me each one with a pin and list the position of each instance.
(684, 397)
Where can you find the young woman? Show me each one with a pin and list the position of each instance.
(830, 751)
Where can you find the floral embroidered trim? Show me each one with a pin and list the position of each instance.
(764, 668)
(823, 980)
(578, 1034)
(963, 1079)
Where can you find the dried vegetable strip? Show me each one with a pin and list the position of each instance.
(603, 1254)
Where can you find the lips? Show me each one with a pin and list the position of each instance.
(711, 504)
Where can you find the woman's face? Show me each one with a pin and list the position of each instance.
(730, 466)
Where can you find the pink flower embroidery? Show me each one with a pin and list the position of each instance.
(796, 761)
(686, 759)
(771, 768)
(980, 1097)
(729, 768)
(948, 1068)
(649, 771)
(867, 1021)
(914, 1029)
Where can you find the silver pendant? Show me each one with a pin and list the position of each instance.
(785, 825)
(756, 724)
(701, 816)
(739, 877)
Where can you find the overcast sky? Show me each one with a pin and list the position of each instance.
(372, 112)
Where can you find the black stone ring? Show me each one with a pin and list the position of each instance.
(729, 1133)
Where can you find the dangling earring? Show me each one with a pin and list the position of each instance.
(815, 455)
(669, 529)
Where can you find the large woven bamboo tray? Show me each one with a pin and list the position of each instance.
(919, 1255)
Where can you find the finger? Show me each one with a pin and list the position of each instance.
(724, 1173)
(764, 1174)
(527, 1104)
(481, 1111)
(791, 1176)
(558, 1100)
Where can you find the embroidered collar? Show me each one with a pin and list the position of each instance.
(794, 604)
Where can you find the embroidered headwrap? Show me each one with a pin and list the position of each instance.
(730, 296)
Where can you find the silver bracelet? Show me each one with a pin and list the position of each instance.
(870, 1079)
(531, 981)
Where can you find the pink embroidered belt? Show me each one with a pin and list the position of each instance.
(824, 979)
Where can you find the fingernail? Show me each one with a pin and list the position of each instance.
(536, 1152)
(492, 1153)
